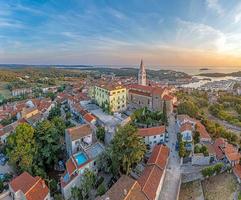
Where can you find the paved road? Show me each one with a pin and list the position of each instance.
(5, 169)
(227, 125)
(173, 173)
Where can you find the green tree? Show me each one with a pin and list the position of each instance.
(100, 133)
(87, 182)
(48, 142)
(127, 148)
(76, 193)
(196, 137)
(68, 116)
(58, 197)
(101, 190)
(21, 147)
(189, 108)
(54, 112)
(1, 186)
(182, 150)
(165, 120)
(59, 124)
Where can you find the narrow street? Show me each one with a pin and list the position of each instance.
(173, 174)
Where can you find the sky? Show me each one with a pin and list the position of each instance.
(121, 32)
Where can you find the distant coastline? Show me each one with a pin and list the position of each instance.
(193, 71)
(233, 74)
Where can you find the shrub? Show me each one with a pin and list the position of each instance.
(101, 190)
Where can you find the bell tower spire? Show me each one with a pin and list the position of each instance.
(142, 74)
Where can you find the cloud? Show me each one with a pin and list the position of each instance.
(215, 5)
(8, 23)
(116, 13)
(198, 36)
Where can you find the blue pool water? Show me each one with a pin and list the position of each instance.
(80, 158)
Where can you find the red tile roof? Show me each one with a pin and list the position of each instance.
(151, 131)
(237, 170)
(139, 93)
(89, 117)
(202, 130)
(150, 180)
(159, 156)
(147, 89)
(34, 188)
(126, 188)
(153, 173)
(70, 166)
(231, 153)
(168, 97)
(219, 142)
(78, 132)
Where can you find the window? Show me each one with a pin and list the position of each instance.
(154, 136)
(155, 142)
(94, 163)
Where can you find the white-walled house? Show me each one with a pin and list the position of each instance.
(186, 132)
(153, 135)
(76, 165)
(78, 138)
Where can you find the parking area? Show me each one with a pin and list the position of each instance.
(5, 169)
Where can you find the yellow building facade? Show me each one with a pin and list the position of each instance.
(110, 97)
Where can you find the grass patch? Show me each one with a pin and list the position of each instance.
(191, 190)
(4, 91)
(219, 187)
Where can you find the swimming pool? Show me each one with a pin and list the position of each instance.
(80, 158)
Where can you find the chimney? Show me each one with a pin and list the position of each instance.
(43, 184)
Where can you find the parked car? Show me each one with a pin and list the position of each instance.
(2, 177)
(3, 160)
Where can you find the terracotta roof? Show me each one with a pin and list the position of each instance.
(211, 149)
(150, 180)
(237, 170)
(39, 191)
(89, 117)
(231, 153)
(219, 142)
(78, 132)
(159, 156)
(1, 132)
(151, 131)
(186, 127)
(139, 93)
(152, 174)
(70, 166)
(136, 193)
(120, 190)
(111, 86)
(147, 89)
(202, 130)
(34, 188)
(168, 97)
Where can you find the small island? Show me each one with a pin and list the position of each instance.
(203, 69)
